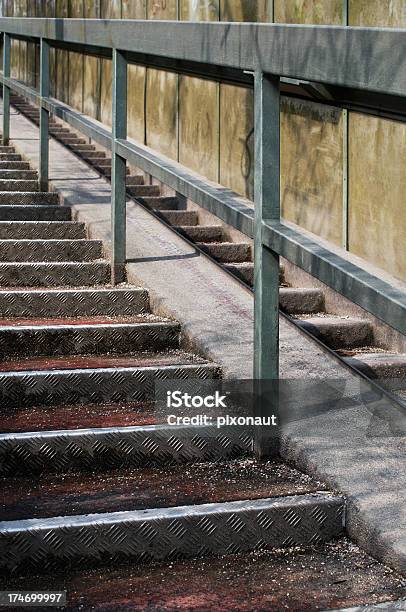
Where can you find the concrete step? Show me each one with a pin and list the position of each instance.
(104, 166)
(82, 379)
(227, 252)
(14, 165)
(379, 365)
(134, 179)
(57, 130)
(91, 155)
(293, 300)
(18, 185)
(144, 190)
(158, 203)
(22, 175)
(180, 217)
(74, 302)
(162, 534)
(57, 230)
(50, 250)
(84, 147)
(70, 140)
(202, 233)
(14, 212)
(10, 157)
(245, 272)
(339, 333)
(27, 197)
(64, 274)
(20, 338)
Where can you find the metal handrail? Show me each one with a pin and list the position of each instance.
(368, 59)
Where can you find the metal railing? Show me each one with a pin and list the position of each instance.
(365, 63)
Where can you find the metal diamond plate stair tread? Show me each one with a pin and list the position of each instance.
(94, 362)
(28, 197)
(33, 212)
(90, 336)
(182, 485)
(57, 230)
(171, 533)
(54, 274)
(50, 250)
(336, 575)
(45, 302)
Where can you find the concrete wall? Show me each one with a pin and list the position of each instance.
(209, 126)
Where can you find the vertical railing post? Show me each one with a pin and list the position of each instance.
(44, 117)
(6, 90)
(266, 261)
(118, 173)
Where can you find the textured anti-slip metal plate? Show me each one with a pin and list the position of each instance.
(119, 447)
(35, 213)
(73, 303)
(36, 230)
(54, 274)
(22, 197)
(103, 338)
(10, 184)
(93, 386)
(169, 534)
(53, 250)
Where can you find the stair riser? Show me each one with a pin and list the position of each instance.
(91, 340)
(169, 534)
(301, 301)
(54, 275)
(72, 141)
(5, 149)
(91, 154)
(18, 185)
(202, 233)
(92, 386)
(42, 251)
(115, 448)
(24, 198)
(344, 336)
(29, 304)
(42, 230)
(183, 217)
(85, 147)
(391, 368)
(235, 252)
(106, 170)
(134, 179)
(144, 190)
(156, 203)
(22, 175)
(34, 213)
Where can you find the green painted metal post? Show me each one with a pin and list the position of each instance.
(6, 90)
(44, 117)
(118, 173)
(266, 261)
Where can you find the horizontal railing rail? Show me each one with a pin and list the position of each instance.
(369, 60)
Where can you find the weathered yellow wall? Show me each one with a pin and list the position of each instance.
(374, 13)
(377, 188)
(237, 139)
(199, 10)
(198, 126)
(324, 12)
(312, 167)
(209, 127)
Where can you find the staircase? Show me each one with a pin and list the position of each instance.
(93, 479)
(352, 338)
(88, 474)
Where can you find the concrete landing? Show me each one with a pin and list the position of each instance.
(351, 446)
